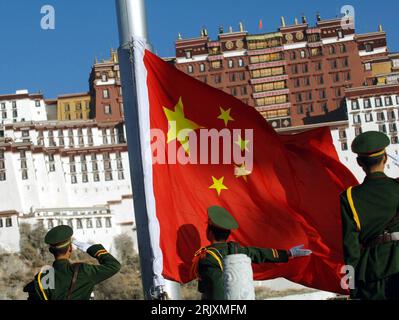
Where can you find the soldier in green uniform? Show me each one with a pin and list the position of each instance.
(370, 223)
(207, 264)
(71, 281)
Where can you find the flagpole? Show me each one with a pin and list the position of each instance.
(132, 27)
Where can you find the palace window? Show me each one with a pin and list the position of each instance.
(188, 54)
(382, 128)
(216, 64)
(356, 119)
(202, 67)
(79, 224)
(107, 109)
(380, 116)
(108, 175)
(358, 130)
(344, 146)
(388, 101)
(240, 62)
(393, 128)
(369, 47)
(108, 223)
(73, 178)
(368, 117)
(99, 223)
(105, 93)
(391, 115)
(190, 69)
(342, 134)
(378, 102)
(231, 64)
(89, 223)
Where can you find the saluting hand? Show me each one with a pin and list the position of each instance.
(82, 246)
(298, 251)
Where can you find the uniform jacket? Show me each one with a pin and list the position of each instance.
(210, 282)
(88, 276)
(376, 202)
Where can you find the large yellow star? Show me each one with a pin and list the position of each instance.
(177, 122)
(218, 185)
(242, 143)
(241, 171)
(225, 116)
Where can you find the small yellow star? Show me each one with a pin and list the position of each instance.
(242, 143)
(218, 185)
(225, 116)
(241, 171)
(178, 122)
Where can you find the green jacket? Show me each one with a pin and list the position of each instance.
(88, 276)
(210, 282)
(376, 203)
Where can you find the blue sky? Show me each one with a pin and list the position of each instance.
(59, 61)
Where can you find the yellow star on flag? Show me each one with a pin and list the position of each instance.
(177, 121)
(218, 185)
(241, 171)
(242, 143)
(225, 116)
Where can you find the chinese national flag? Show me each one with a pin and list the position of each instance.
(289, 197)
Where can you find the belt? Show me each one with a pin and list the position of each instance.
(384, 238)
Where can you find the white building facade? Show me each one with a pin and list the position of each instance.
(370, 108)
(74, 172)
(21, 107)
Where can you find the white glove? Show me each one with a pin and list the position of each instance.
(395, 159)
(297, 251)
(82, 246)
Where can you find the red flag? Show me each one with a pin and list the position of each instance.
(290, 196)
(260, 24)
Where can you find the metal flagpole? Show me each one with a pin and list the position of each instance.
(132, 28)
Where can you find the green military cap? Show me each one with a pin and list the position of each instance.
(371, 144)
(221, 218)
(59, 237)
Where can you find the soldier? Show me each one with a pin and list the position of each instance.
(71, 281)
(370, 222)
(207, 264)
